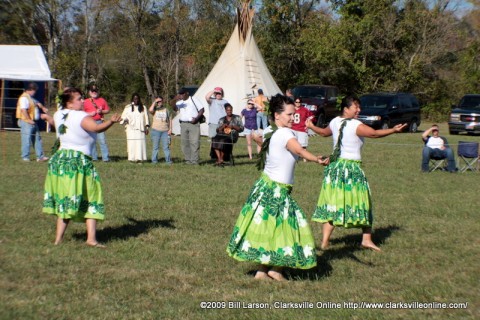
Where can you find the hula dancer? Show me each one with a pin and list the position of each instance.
(272, 229)
(345, 195)
(72, 186)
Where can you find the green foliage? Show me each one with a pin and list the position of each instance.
(153, 47)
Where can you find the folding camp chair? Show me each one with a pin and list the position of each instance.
(468, 155)
(437, 163)
(228, 153)
(228, 156)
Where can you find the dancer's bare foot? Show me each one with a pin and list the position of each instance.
(324, 245)
(370, 245)
(275, 275)
(262, 275)
(96, 245)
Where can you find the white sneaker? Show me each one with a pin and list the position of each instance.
(26, 159)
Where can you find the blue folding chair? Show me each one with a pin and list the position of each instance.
(468, 156)
(437, 163)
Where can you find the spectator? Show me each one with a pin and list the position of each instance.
(97, 107)
(436, 146)
(27, 114)
(161, 129)
(135, 119)
(299, 127)
(289, 94)
(227, 134)
(262, 118)
(249, 115)
(190, 113)
(216, 104)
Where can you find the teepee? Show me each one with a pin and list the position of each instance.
(240, 70)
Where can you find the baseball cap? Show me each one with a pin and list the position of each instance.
(218, 89)
(93, 88)
(250, 101)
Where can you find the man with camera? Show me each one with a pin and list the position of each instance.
(191, 115)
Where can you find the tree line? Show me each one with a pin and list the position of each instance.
(153, 47)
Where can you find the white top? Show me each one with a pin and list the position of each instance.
(435, 142)
(280, 163)
(351, 143)
(25, 104)
(136, 120)
(187, 108)
(217, 110)
(75, 137)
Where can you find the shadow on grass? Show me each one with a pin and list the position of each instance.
(352, 244)
(132, 229)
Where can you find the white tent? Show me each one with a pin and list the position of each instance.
(23, 63)
(19, 65)
(240, 70)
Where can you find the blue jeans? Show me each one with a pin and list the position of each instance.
(103, 146)
(30, 137)
(158, 136)
(262, 120)
(440, 154)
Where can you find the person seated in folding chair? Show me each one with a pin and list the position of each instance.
(436, 147)
(227, 134)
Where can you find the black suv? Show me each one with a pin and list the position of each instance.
(321, 100)
(466, 116)
(384, 110)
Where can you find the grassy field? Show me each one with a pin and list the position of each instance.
(167, 229)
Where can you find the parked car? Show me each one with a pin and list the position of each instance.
(466, 116)
(383, 110)
(321, 100)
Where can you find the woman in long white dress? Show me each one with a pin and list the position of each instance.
(135, 119)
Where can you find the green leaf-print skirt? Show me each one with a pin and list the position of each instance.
(345, 196)
(272, 229)
(72, 187)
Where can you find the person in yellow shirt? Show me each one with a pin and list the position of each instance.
(262, 119)
(27, 115)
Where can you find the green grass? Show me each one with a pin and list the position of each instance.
(167, 229)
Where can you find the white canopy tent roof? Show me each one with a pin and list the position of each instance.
(240, 70)
(25, 63)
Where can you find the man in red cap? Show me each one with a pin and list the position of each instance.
(96, 107)
(216, 110)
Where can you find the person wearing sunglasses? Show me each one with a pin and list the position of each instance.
(97, 107)
(249, 115)
(299, 127)
(161, 129)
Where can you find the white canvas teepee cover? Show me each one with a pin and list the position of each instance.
(240, 71)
